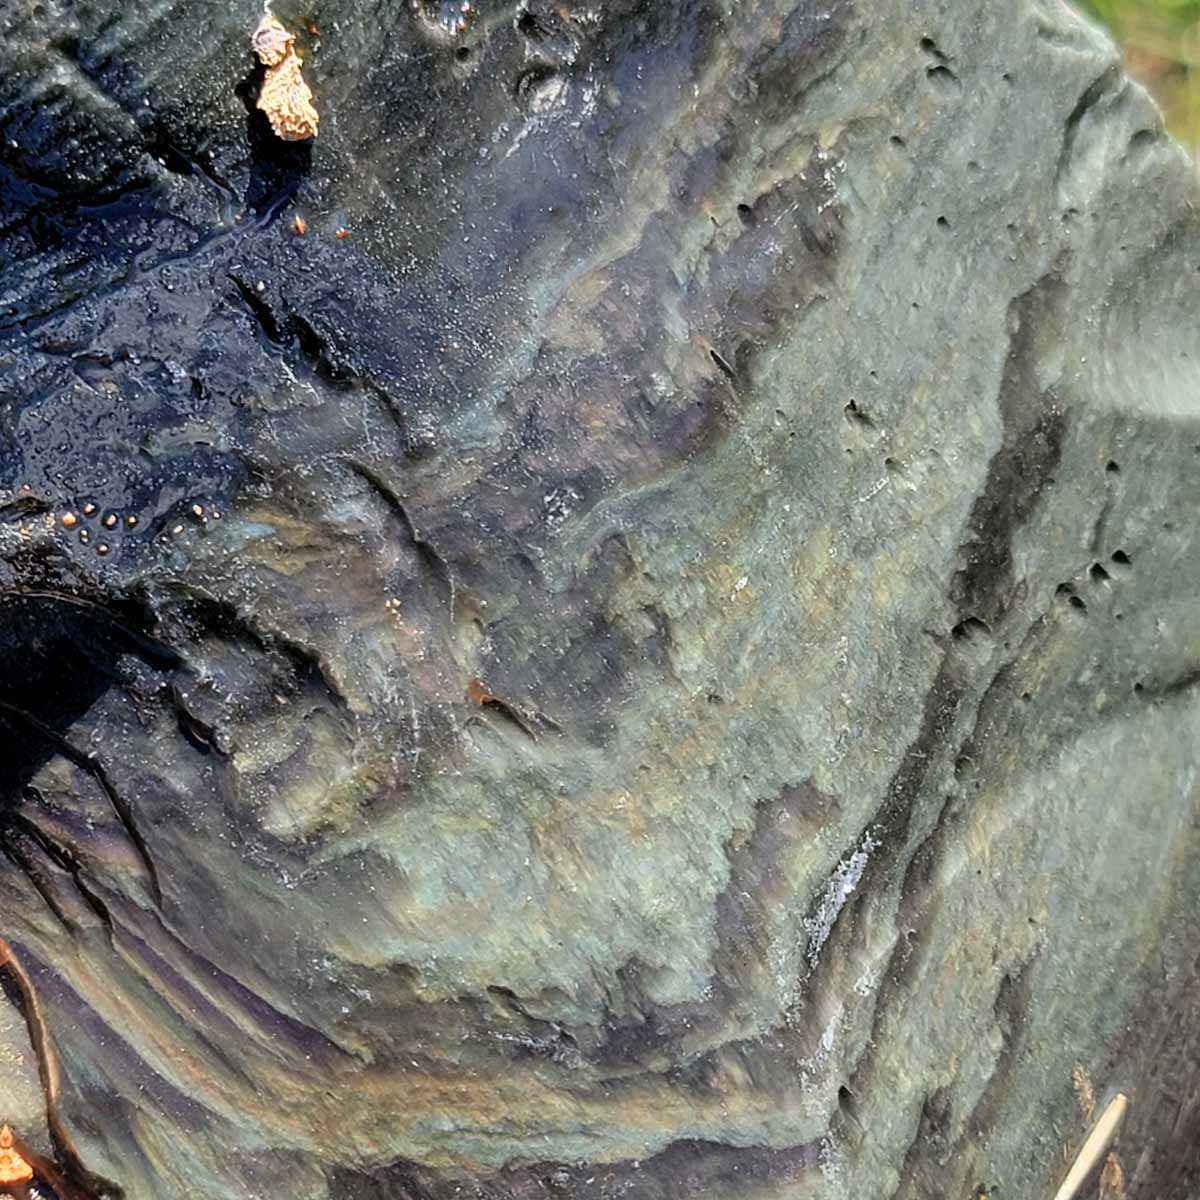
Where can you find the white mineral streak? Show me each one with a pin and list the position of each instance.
(838, 890)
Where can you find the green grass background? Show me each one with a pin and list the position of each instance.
(1161, 40)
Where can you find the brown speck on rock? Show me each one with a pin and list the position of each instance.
(89, 509)
(69, 519)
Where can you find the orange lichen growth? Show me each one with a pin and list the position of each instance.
(299, 225)
(285, 98)
(271, 41)
(13, 1168)
(287, 101)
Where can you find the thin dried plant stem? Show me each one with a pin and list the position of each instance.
(1094, 1149)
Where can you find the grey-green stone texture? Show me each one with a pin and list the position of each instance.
(651, 652)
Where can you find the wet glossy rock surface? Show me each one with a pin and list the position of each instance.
(651, 651)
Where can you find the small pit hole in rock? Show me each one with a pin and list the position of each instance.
(1077, 602)
(1098, 573)
(942, 223)
(930, 47)
(942, 78)
(532, 81)
(1122, 558)
(1112, 467)
(723, 366)
(856, 414)
(968, 628)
